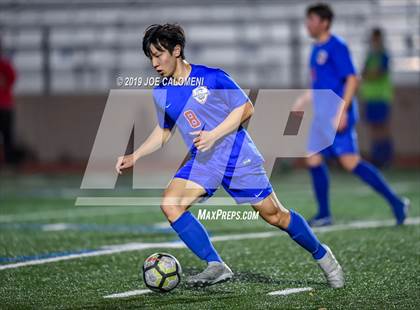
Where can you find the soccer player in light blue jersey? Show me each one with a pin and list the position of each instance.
(209, 117)
(332, 68)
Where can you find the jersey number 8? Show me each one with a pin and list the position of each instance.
(192, 119)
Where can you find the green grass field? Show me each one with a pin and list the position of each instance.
(38, 220)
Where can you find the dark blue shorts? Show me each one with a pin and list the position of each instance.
(330, 143)
(247, 184)
(377, 112)
(345, 142)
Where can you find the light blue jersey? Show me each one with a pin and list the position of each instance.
(234, 161)
(331, 64)
(204, 107)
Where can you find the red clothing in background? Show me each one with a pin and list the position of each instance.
(7, 79)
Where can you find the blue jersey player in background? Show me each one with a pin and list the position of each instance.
(209, 117)
(332, 68)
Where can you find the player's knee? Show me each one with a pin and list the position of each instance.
(278, 219)
(272, 219)
(284, 220)
(171, 208)
(172, 212)
(314, 161)
(347, 167)
(349, 163)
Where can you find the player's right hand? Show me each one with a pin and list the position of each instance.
(124, 162)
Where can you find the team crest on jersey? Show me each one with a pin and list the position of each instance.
(200, 94)
(321, 57)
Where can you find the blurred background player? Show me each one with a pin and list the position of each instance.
(332, 68)
(221, 107)
(376, 91)
(7, 80)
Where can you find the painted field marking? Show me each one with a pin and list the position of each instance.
(129, 294)
(136, 246)
(289, 291)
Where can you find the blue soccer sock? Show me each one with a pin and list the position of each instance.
(321, 184)
(372, 176)
(303, 235)
(195, 236)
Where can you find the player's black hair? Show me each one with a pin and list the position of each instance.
(377, 32)
(165, 36)
(323, 10)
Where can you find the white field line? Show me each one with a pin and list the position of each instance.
(357, 188)
(162, 225)
(143, 201)
(284, 292)
(136, 246)
(129, 294)
(76, 212)
(85, 207)
(132, 205)
(56, 227)
(289, 291)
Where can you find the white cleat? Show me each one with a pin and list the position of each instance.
(214, 273)
(402, 213)
(332, 269)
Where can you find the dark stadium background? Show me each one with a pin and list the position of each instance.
(68, 55)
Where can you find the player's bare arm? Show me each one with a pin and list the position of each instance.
(155, 141)
(350, 89)
(205, 139)
(302, 101)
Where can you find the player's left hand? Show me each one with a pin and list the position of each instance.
(204, 140)
(341, 121)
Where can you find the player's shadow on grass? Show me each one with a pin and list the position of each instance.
(259, 278)
(250, 277)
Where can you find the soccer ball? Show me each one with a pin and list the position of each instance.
(161, 272)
